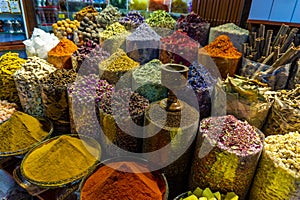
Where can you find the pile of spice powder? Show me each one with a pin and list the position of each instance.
(226, 156)
(237, 35)
(108, 16)
(119, 61)
(113, 29)
(83, 94)
(20, 132)
(285, 113)
(132, 20)
(147, 80)
(27, 81)
(278, 173)
(115, 66)
(179, 48)
(195, 26)
(64, 48)
(122, 180)
(54, 94)
(9, 64)
(161, 19)
(6, 110)
(56, 159)
(221, 47)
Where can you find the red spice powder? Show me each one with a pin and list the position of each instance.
(121, 180)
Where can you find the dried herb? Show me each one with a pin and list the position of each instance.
(161, 21)
(108, 16)
(227, 152)
(143, 44)
(82, 95)
(279, 165)
(55, 97)
(147, 81)
(285, 114)
(179, 48)
(202, 82)
(89, 56)
(247, 99)
(132, 20)
(195, 26)
(276, 77)
(9, 64)
(27, 81)
(116, 113)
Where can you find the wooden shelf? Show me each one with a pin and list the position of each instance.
(273, 23)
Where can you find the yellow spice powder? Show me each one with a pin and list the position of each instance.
(20, 131)
(62, 158)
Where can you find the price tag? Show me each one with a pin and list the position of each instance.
(61, 16)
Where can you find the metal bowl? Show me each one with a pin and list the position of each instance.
(71, 180)
(47, 126)
(159, 176)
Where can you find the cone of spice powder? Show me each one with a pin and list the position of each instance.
(60, 160)
(227, 152)
(124, 180)
(223, 53)
(60, 55)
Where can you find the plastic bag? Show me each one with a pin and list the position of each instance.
(40, 43)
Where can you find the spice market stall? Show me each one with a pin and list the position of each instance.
(148, 105)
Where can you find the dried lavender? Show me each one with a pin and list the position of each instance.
(122, 107)
(195, 26)
(54, 95)
(132, 20)
(202, 82)
(27, 81)
(247, 99)
(280, 166)
(285, 114)
(108, 16)
(227, 152)
(147, 81)
(143, 44)
(83, 94)
(237, 35)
